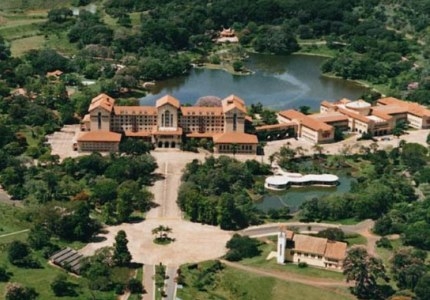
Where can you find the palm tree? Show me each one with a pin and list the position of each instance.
(162, 232)
(273, 157)
(318, 148)
(374, 146)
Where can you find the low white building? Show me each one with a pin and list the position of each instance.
(315, 251)
(283, 180)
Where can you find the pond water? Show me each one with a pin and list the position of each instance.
(294, 197)
(279, 82)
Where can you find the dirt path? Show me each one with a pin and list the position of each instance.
(6, 198)
(364, 228)
(293, 277)
(13, 233)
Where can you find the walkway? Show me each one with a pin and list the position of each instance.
(166, 190)
(149, 282)
(170, 282)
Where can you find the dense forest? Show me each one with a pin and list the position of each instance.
(125, 43)
(216, 192)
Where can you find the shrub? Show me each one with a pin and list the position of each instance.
(119, 289)
(242, 247)
(383, 242)
(4, 274)
(61, 287)
(17, 251)
(135, 286)
(302, 265)
(16, 291)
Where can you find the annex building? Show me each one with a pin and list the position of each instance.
(166, 125)
(315, 251)
(354, 116)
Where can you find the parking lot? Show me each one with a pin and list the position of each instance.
(62, 141)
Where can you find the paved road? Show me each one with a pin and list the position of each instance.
(166, 190)
(149, 282)
(273, 229)
(169, 283)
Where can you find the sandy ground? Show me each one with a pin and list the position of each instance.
(193, 242)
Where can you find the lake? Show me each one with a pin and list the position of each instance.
(279, 82)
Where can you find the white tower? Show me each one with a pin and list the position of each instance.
(282, 240)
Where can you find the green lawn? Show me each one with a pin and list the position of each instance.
(12, 219)
(23, 45)
(355, 239)
(20, 31)
(33, 4)
(386, 254)
(231, 283)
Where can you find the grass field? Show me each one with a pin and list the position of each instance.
(355, 239)
(235, 284)
(20, 46)
(33, 4)
(12, 219)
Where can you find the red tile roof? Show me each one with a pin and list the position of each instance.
(309, 244)
(317, 246)
(232, 102)
(135, 110)
(330, 117)
(413, 108)
(305, 120)
(355, 115)
(335, 250)
(235, 138)
(276, 126)
(55, 73)
(201, 111)
(167, 100)
(99, 136)
(130, 133)
(103, 101)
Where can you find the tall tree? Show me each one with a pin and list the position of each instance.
(422, 290)
(364, 270)
(121, 254)
(408, 266)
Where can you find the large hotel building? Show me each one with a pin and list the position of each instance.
(166, 124)
(354, 116)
